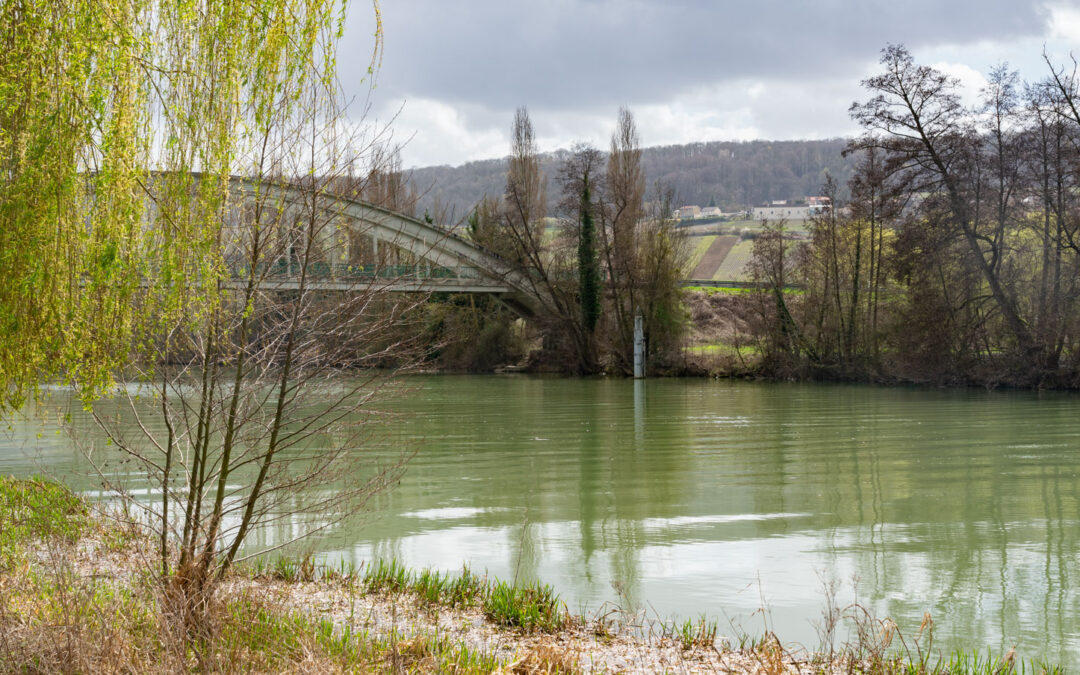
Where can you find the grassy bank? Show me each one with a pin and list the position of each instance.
(530, 608)
(78, 594)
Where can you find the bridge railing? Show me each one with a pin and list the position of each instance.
(285, 269)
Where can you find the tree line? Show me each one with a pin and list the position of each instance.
(956, 256)
(602, 256)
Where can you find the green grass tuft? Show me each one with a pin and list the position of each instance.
(294, 570)
(531, 608)
(387, 577)
(690, 633)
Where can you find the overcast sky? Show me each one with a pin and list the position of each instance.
(690, 70)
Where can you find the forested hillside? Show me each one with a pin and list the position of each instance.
(725, 173)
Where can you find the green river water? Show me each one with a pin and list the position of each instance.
(689, 497)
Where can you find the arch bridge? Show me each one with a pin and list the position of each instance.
(450, 263)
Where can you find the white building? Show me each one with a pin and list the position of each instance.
(785, 212)
(780, 209)
(688, 212)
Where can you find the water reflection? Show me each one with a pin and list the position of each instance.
(688, 497)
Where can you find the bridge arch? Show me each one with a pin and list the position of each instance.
(488, 273)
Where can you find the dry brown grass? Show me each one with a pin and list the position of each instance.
(54, 621)
(543, 659)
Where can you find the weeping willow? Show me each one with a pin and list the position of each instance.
(120, 124)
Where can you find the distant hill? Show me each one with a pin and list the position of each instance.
(729, 174)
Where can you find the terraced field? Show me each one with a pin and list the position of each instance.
(733, 267)
(700, 245)
(714, 256)
(719, 257)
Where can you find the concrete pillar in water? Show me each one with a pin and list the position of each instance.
(639, 348)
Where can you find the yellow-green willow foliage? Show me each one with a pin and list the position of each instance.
(108, 110)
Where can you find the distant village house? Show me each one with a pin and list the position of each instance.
(698, 213)
(781, 210)
(688, 212)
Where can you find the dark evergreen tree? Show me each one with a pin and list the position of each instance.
(588, 265)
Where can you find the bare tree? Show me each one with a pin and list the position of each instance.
(875, 202)
(915, 117)
(957, 258)
(264, 391)
(625, 182)
(525, 191)
(549, 262)
(662, 256)
(641, 255)
(771, 266)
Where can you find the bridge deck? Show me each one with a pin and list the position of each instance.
(282, 275)
(399, 285)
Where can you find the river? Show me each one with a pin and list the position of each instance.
(737, 500)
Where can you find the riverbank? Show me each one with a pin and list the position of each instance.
(79, 594)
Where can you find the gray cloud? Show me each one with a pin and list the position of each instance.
(587, 52)
(691, 70)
